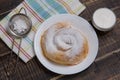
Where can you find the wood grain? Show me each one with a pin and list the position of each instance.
(105, 67)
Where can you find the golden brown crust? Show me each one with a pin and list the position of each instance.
(60, 58)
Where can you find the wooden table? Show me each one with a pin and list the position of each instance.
(105, 67)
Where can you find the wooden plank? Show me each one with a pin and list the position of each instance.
(105, 67)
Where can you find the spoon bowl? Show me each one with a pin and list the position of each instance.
(19, 25)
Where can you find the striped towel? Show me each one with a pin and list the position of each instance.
(38, 11)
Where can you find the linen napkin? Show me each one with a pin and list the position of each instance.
(38, 11)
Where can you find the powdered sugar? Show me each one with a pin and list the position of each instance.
(68, 40)
(20, 26)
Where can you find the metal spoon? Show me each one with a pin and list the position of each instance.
(19, 26)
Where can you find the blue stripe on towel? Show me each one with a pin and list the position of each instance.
(40, 10)
(56, 6)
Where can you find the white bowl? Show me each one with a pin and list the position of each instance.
(104, 19)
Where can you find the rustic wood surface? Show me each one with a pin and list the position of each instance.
(105, 67)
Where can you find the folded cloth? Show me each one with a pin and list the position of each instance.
(38, 11)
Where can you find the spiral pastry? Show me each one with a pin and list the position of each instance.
(64, 44)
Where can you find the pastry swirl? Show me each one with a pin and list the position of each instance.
(64, 44)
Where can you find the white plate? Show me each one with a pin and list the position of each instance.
(84, 27)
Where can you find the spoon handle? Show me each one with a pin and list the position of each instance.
(18, 54)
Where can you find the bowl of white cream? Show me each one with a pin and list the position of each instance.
(104, 19)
